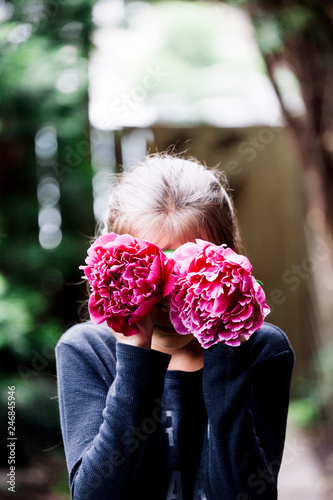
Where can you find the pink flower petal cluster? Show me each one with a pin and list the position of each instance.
(128, 277)
(214, 295)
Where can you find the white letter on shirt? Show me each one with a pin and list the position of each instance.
(175, 487)
(169, 429)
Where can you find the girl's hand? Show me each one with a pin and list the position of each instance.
(140, 339)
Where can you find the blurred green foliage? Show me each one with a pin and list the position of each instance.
(44, 48)
(41, 45)
(313, 405)
(303, 412)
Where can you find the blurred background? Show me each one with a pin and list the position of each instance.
(87, 89)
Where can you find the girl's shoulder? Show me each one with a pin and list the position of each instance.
(270, 341)
(87, 337)
(89, 351)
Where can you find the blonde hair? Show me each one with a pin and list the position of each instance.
(175, 196)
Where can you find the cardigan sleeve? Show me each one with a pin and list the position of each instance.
(99, 420)
(246, 392)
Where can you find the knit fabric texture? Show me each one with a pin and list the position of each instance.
(132, 429)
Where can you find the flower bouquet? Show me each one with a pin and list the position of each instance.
(128, 277)
(213, 293)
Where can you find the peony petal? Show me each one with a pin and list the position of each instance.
(155, 271)
(234, 342)
(238, 259)
(177, 322)
(221, 304)
(202, 244)
(103, 240)
(87, 271)
(96, 309)
(169, 276)
(143, 310)
(184, 255)
(120, 325)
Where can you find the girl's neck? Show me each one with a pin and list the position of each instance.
(188, 358)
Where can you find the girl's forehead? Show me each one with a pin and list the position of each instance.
(168, 243)
(165, 242)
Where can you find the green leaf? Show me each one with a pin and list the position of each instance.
(168, 253)
(260, 283)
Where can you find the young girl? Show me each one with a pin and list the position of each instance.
(154, 416)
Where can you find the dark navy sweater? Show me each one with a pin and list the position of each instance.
(133, 430)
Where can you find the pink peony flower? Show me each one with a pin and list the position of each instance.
(128, 278)
(214, 295)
